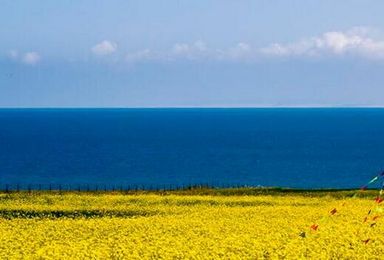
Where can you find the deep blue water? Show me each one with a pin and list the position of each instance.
(303, 148)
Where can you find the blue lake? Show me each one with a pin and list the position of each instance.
(299, 148)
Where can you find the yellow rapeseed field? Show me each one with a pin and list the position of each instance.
(155, 226)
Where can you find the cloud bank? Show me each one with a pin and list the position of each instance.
(356, 42)
(196, 51)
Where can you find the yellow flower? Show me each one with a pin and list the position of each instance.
(145, 226)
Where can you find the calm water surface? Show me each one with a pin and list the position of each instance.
(303, 148)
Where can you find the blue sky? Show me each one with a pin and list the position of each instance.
(175, 53)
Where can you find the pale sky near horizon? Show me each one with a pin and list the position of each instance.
(201, 53)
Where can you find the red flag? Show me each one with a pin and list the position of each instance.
(366, 241)
(379, 200)
(314, 227)
(333, 211)
(375, 217)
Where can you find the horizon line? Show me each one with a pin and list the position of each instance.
(193, 107)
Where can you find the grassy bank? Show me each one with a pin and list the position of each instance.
(208, 191)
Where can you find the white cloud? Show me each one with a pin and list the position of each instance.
(193, 51)
(358, 41)
(31, 58)
(353, 42)
(28, 58)
(181, 48)
(104, 48)
(185, 48)
(242, 51)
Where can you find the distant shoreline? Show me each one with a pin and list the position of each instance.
(201, 191)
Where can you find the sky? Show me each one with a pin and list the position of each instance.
(201, 53)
